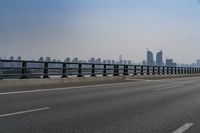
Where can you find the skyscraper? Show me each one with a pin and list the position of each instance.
(198, 62)
(159, 58)
(150, 61)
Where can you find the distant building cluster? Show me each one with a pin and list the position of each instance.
(68, 59)
(159, 60)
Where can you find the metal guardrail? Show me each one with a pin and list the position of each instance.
(41, 69)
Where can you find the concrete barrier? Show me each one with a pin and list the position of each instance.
(41, 81)
(48, 81)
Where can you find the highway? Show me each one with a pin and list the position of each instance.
(143, 106)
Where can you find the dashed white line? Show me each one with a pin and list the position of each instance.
(24, 112)
(183, 128)
(57, 89)
(169, 87)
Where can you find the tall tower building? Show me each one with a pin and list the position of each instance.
(159, 58)
(150, 61)
(120, 59)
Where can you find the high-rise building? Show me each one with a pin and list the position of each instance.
(11, 57)
(170, 63)
(92, 60)
(75, 60)
(129, 62)
(159, 58)
(113, 61)
(150, 61)
(120, 59)
(67, 59)
(125, 62)
(109, 61)
(41, 59)
(19, 58)
(98, 60)
(48, 59)
(198, 63)
(144, 62)
(104, 61)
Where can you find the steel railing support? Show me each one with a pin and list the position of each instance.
(24, 70)
(104, 70)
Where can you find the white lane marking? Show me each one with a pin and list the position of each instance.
(57, 89)
(153, 80)
(169, 87)
(24, 112)
(183, 128)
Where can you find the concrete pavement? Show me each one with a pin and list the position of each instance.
(144, 106)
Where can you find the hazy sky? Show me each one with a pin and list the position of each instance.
(100, 28)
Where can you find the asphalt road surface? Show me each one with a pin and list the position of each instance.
(145, 106)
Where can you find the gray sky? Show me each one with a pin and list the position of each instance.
(100, 28)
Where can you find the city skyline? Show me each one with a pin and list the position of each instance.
(101, 28)
(149, 60)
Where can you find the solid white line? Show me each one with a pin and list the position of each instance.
(183, 128)
(170, 87)
(57, 89)
(24, 112)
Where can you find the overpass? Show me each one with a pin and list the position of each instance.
(115, 99)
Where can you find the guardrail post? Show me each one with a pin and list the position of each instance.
(64, 71)
(158, 70)
(167, 70)
(93, 71)
(46, 70)
(135, 70)
(125, 70)
(80, 70)
(141, 70)
(153, 70)
(116, 70)
(148, 70)
(1, 73)
(104, 70)
(171, 70)
(188, 70)
(185, 70)
(24, 70)
(179, 70)
(175, 70)
(163, 70)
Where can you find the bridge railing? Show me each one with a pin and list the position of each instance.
(41, 69)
